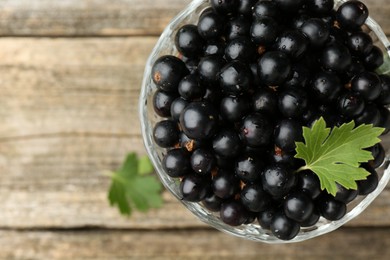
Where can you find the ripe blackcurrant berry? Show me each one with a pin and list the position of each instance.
(233, 213)
(287, 132)
(227, 143)
(256, 130)
(199, 120)
(367, 84)
(274, 68)
(194, 187)
(166, 133)
(352, 14)
(283, 227)
(176, 162)
(188, 41)
(254, 198)
(277, 180)
(167, 72)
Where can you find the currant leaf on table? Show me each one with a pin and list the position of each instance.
(134, 186)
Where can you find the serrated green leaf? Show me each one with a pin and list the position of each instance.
(117, 197)
(131, 189)
(145, 166)
(129, 168)
(335, 155)
(151, 188)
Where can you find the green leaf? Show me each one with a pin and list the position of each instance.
(145, 166)
(117, 196)
(335, 155)
(132, 188)
(129, 168)
(385, 68)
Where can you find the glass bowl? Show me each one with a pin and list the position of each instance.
(253, 232)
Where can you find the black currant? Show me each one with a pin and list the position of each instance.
(336, 57)
(326, 86)
(265, 100)
(254, 198)
(265, 217)
(210, 26)
(352, 14)
(330, 208)
(289, 6)
(256, 130)
(235, 78)
(212, 202)
(368, 185)
(227, 143)
(345, 195)
(320, 7)
(194, 188)
(316, 30)
(167, 72)
(162, 102)
(360, 43)
(214, 47)
(283, 227)
(384, 96)
(350, 104)
(176, 162)
(188, 41)
(225, 7)
(293, 43)
(249, 167)
(166, 133)
(266, 8)
(209, 68)
(308, 182)
(237, 27)
(274, 68)
(374, 59)
(277, 180)
(225, 184)
(233, 109)
(293, 102)
(177, 106)
(241, 49)
(287, 132)
(199, 120)
(298, 206)
(264, 31)
(190, 87)
(367, 84)
(233, 213)
(202, 161)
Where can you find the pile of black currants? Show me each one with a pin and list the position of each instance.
(249, 76)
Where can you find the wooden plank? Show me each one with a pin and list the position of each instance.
(87, 17)
(68, 113)
(343, 244)
(108, 18)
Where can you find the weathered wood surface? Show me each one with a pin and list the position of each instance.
(86, 17)
(108, 18)
(68, 112)
(188, 244)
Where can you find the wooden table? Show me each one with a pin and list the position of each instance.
(70, 78)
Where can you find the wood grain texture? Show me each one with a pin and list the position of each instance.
(86, 17)
(188, 244)
(68, 113)
(108, 18)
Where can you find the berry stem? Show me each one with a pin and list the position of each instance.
(303, 168)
